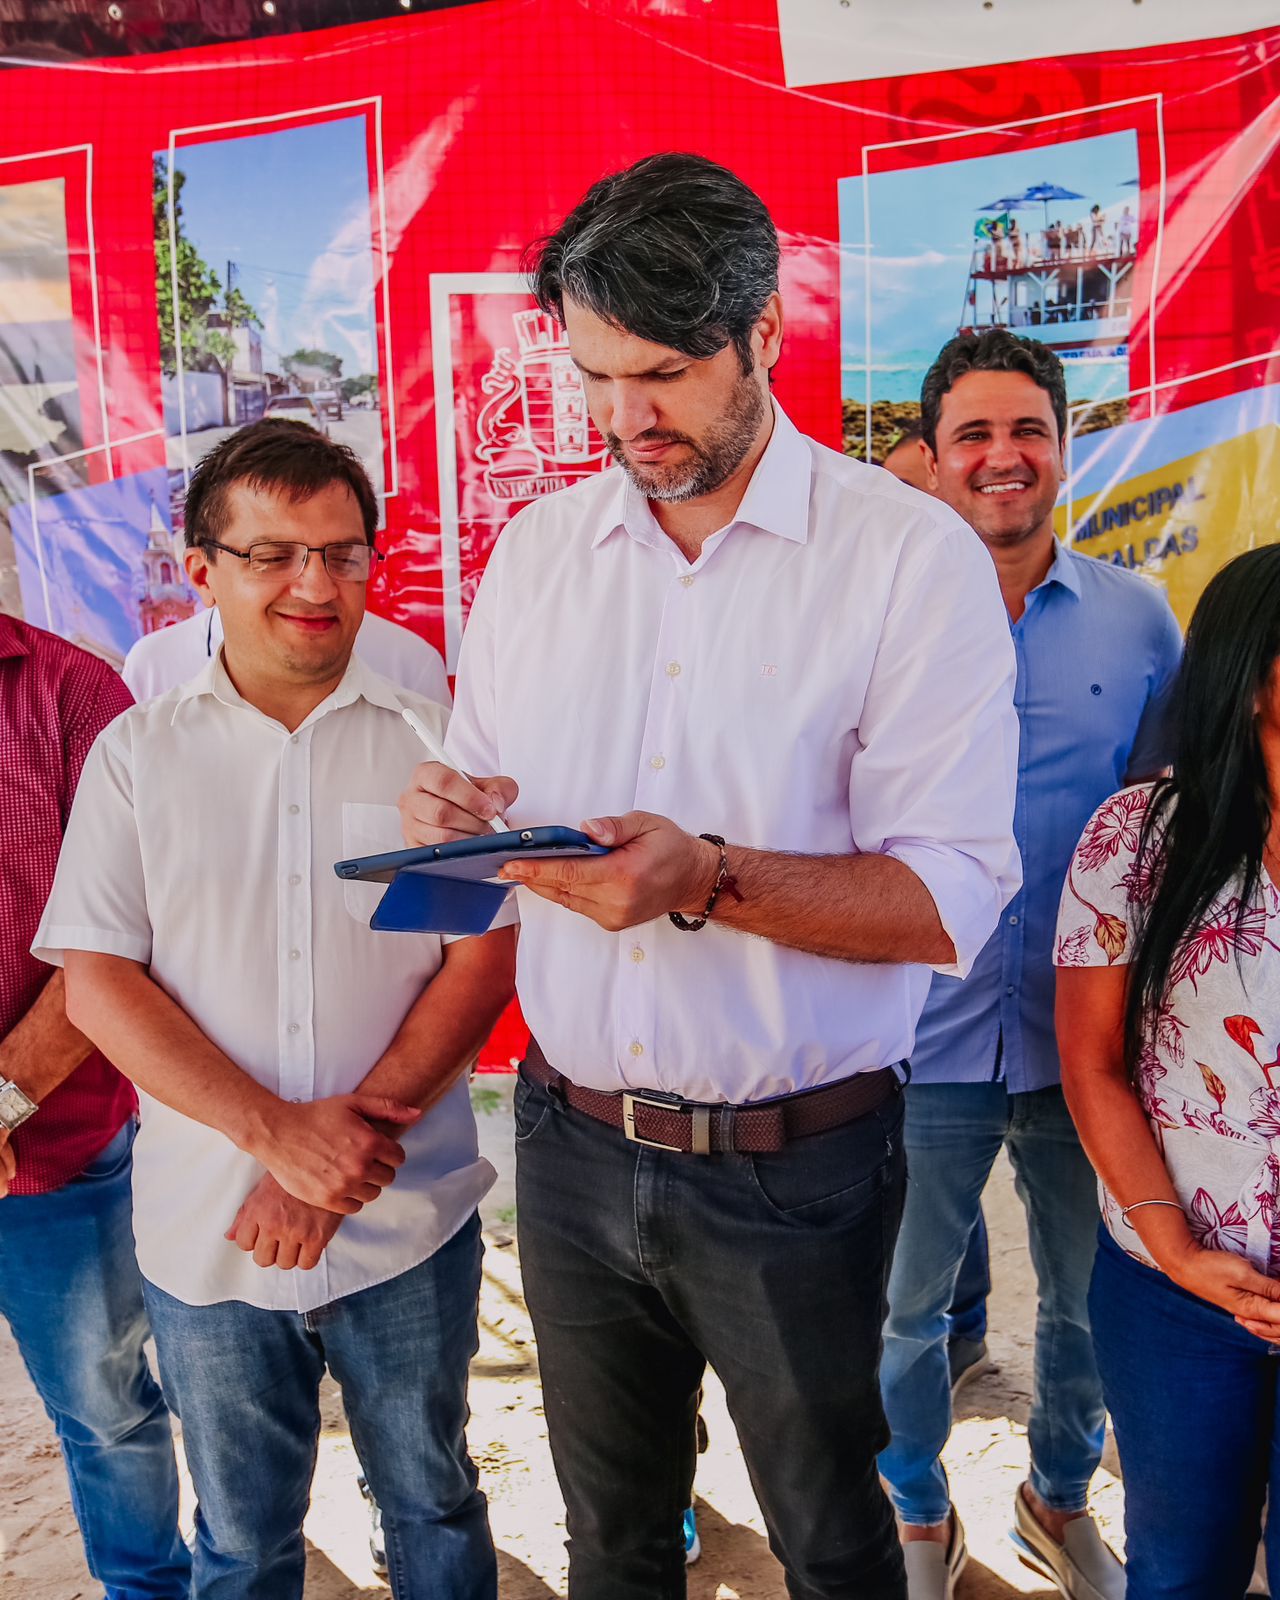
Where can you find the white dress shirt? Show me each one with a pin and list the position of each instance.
(833, 674)
(202, 842)
(161, 661)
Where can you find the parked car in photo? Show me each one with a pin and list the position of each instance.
(298, 408)
(328, 402)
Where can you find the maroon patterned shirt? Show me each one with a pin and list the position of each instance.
(54, 701)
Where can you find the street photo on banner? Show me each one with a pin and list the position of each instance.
(265, 241)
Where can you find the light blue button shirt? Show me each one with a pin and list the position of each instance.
(1097, 650)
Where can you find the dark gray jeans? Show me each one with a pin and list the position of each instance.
(640, 1267)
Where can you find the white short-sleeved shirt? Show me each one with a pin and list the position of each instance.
(161, 661)
(202, 842)
(1209, 1075)
(833, 674)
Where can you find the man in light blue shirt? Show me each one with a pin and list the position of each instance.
(1097, 648)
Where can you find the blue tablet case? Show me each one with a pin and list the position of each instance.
(418, 902)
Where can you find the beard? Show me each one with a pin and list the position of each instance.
(716, 456)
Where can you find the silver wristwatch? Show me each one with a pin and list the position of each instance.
(15, 1106)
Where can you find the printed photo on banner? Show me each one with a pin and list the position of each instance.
(98, 564)
(1178, 494)
(513, 422)
(1042, 241)
(265, 242)
(40, 417)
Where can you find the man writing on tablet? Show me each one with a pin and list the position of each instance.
(736, 635)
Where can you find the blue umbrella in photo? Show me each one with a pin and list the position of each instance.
(1046, 192)
(1009, 202)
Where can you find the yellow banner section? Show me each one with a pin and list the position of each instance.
(1183, 521)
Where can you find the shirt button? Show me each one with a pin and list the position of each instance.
(637, 954)
(295, 955)
(295, 1099)
(293, 738)
(295, 1027)
(295, 879)
(657, 762)
(673, 669)
(636, 1048)
(687, 580)
(293, 811)
(1013, 921)
(1010, 989)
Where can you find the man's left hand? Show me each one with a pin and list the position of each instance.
(8, 1163)
(653, 867)
(281, 1230)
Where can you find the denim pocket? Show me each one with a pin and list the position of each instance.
(113, 1158)
(829, 1179)
(531, 1103)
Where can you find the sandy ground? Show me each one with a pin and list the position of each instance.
(40, 1557)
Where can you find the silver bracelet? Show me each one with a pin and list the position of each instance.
(1138, 1204)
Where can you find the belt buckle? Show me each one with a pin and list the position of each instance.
(661, 1102)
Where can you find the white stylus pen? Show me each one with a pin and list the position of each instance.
(436, 751)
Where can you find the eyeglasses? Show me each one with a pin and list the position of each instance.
(284, 560)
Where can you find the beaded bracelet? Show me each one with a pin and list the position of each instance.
(724, 880)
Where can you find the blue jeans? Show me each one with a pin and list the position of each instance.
(968, 1312)
(954, 1132)
(71, 1294)
(641, 1266)
(246, 1384)
(1193, 1400)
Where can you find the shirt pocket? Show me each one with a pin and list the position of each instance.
(367, 830)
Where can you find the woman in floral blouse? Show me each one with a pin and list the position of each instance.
(1169, 1029)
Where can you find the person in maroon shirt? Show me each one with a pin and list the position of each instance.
(69, 1285)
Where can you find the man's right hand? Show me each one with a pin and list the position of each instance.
(328, 1153)
(440, 804)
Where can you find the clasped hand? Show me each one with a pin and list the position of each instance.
(653, 866)
(325, 1160)
(279, 1229)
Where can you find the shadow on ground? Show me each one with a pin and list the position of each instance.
(734, 1556)
(980, 1583)
(325, 1581)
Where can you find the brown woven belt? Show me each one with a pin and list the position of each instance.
(667, 1122)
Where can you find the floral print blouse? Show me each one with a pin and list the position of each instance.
(1209, 1077)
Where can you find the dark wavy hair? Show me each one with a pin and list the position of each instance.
(1206, 826)
(675, 249)
(992, 350)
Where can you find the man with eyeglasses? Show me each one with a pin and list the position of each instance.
(291, 1061)
(159, 661)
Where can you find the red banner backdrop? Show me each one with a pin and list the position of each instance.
(187, 239)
